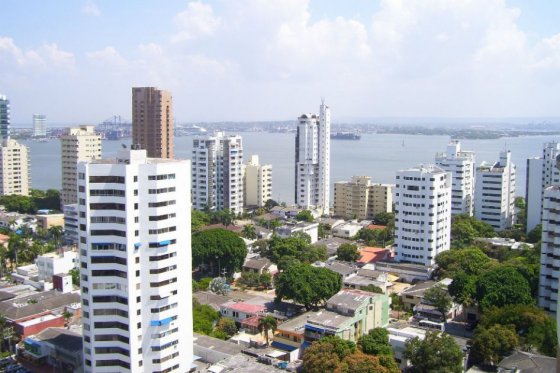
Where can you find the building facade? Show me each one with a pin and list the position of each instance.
(152, 121)
(4, 117)
(258, 182)
(217, 173)
(313, 151)
(550, 250)
(14, 168)
(460, 164)
(135, 264)
(541, 173)
(422, 214)
(360, 199)
(495, 192)
(79, 144)
(39, 125)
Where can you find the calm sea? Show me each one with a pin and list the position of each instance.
(375, 155)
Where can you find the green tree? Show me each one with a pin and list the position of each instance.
(307, 285)
(437, 353)
(438, 297)
(384, 218)
(204, 318)
(373, 289)
(326, 354)
(56, 232)
(305, 215)
(266, 324)
(249, 232)
(227, 326)
(362, 363)
(347, 252)
(221, 247)
(501, 286)
(463, 288)
(67, 315)
(465, 228)
(535, 234)
(296, 248)
(534, 327)
(376, 342)
(75, 273)
(493, 344)
(469, 260)
(269, 204)
(198, 220)
(226, 217)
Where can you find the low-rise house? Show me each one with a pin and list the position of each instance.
(260, 265)
(526, 362)
(289, 229)
(370, 255)
(51, 264)
(46, 221)
(285, 212)
(398, 338)
(344, 269)
(349, 314)
(33, 313)
(212, 350)
(413, 299)
(357, 281)
(332, 244)
(57, 347)
(213, 300)
(407, 272)
(240, 311)
(346, 230)
(502, 242)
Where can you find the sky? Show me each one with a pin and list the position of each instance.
(261, 60)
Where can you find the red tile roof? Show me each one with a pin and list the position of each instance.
(375, 227)
(372, 254)
(245, 307)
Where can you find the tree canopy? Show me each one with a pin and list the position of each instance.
(465, 228)
(438, 297)
(295, 248)
(469, 260)
(501, 286)
(307, 285)
(305, 215)
(535, 328)
(347, 252)
(437, 353)
(219, 248)
(490, 345)
(376, 342)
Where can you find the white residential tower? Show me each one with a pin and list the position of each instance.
(135, 251)
(422, 214)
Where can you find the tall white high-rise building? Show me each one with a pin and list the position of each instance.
(422, 214)
(217, 173)
(39, 125)
(460, 164)
(495, 192)
(79, 144)
(550, 250)
(135, 252)
(15, 175)
(541, 173)
(258, 182)
(313, 164)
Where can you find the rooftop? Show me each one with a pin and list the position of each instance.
(526, 362)
(62, 338)
(18, 308)
(372, 254)
(328, 319)
(341, 268)
(257, 263)
(350, 298)
(244, 307)
(216, 344)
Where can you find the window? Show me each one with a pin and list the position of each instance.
(106, 179)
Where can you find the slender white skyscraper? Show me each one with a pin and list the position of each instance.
(422, 214)
(495, 192)
(460, 164)
(313, 164)
(217, 174)
(39, 125)
(135, 251)
(541, 173)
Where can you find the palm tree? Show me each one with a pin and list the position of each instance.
(67, 317)
(56, 232)
(249, 231)
(267, 323)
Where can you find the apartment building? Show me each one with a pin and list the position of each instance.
(14, 168)
(135, 263)
(495, 192)
(39, 125)
(313, 151)
(422, 214)
(217, 173)
(360, 199)
(78, 144)
(152, 121)
(460, 164)
(541, 173)
(550, 250)
(258, 182)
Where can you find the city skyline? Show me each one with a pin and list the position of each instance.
(372, 59)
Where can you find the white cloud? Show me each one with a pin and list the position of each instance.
(91, 9)
(107, 56)
(197, 20)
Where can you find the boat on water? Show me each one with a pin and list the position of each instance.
(345, 136)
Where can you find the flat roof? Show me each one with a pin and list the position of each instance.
(328, 319)
(38, 320)
(216, 344)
